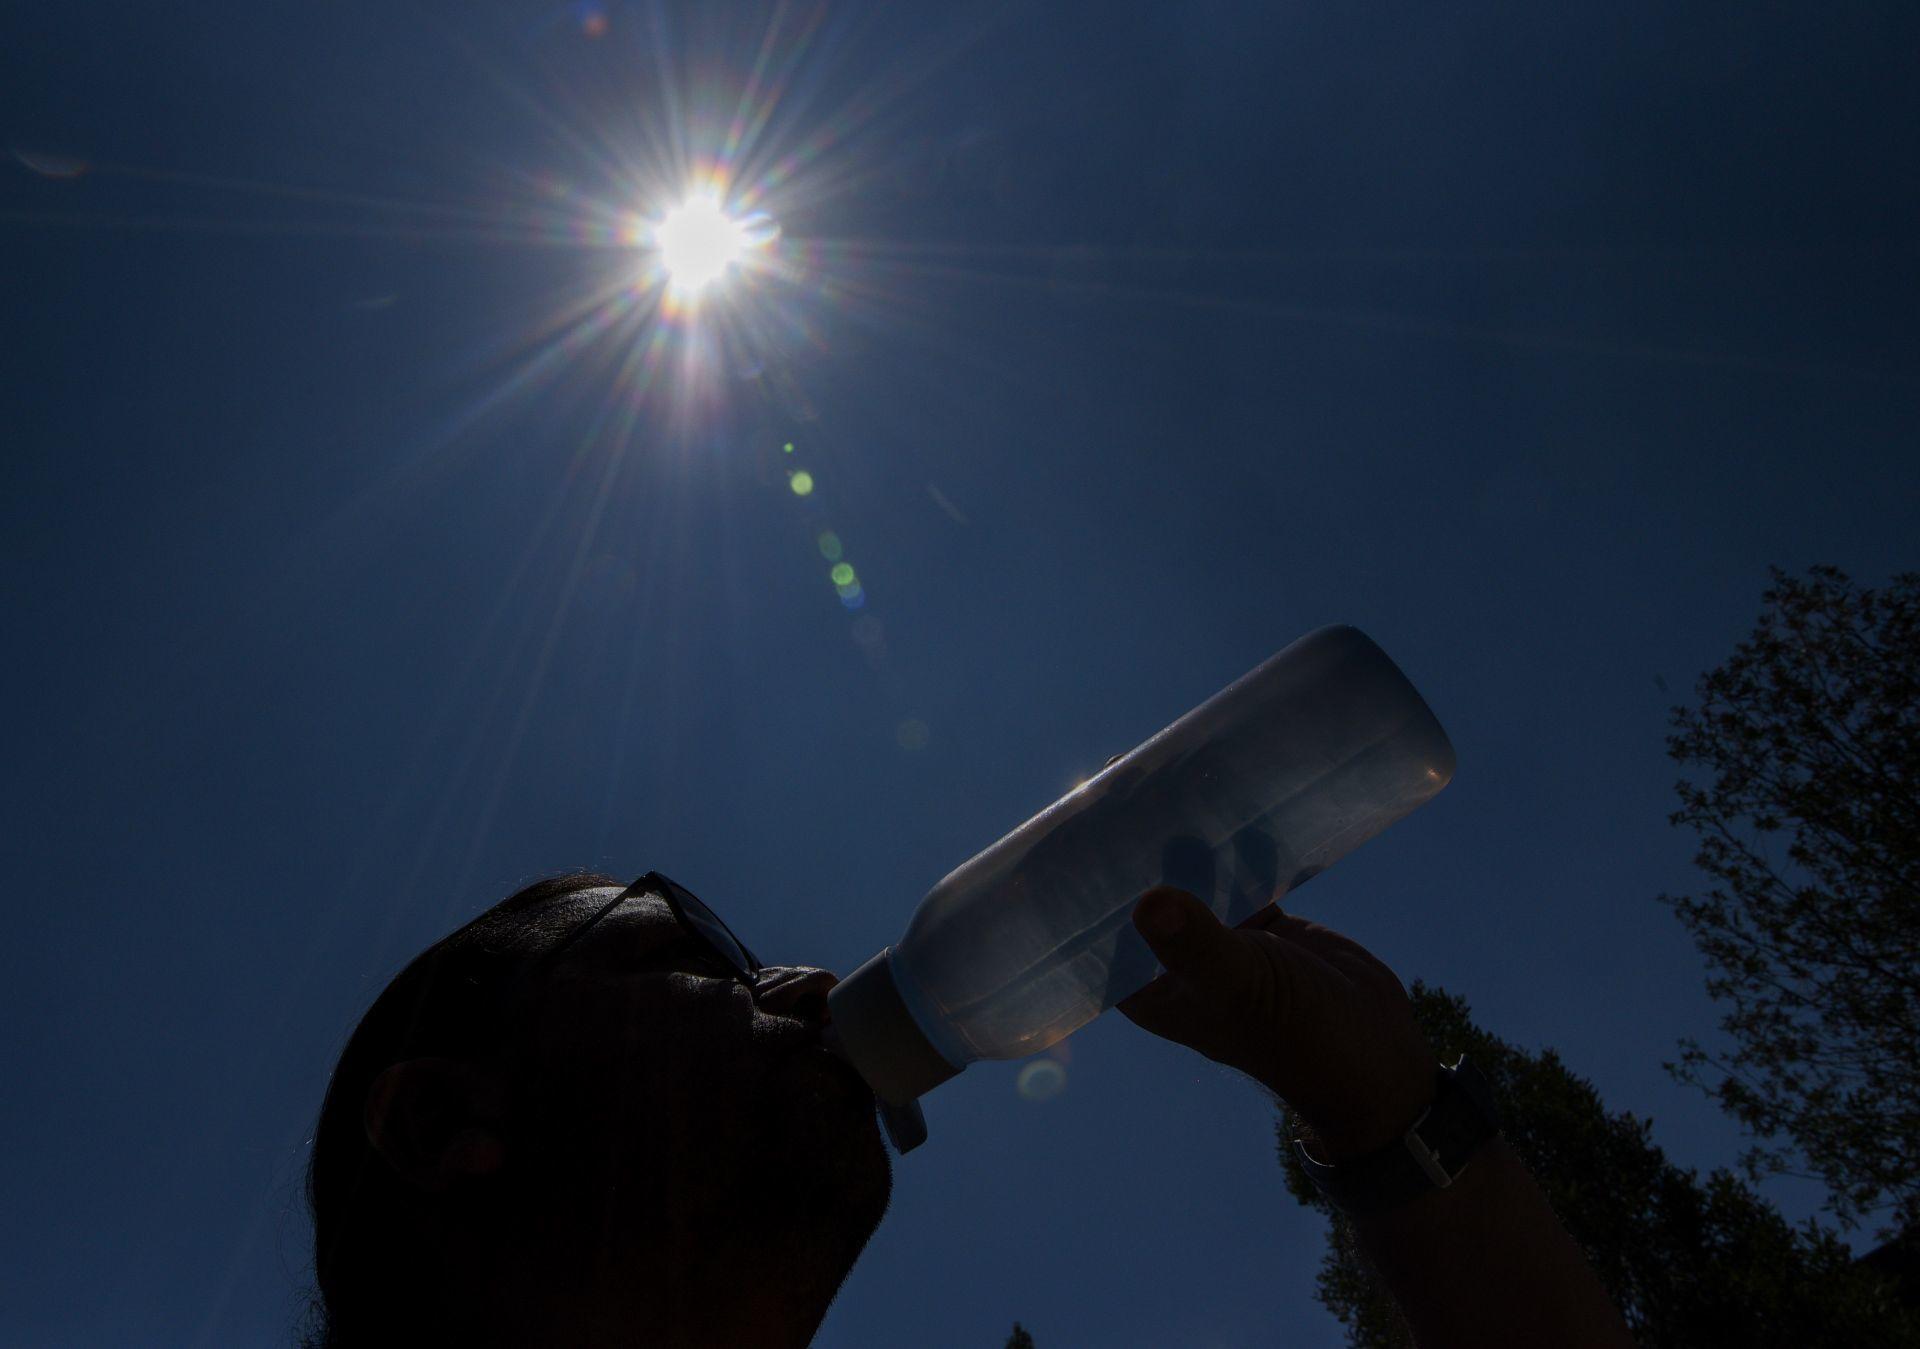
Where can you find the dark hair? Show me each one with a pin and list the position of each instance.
(444, 1003)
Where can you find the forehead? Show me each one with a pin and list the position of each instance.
(638, 926)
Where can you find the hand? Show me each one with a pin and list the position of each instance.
(1309, 1014)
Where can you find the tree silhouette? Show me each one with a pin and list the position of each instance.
(1807, 746)
(1019, 1339)
(1690, 1262)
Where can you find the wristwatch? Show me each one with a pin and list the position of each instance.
(1429, 1156)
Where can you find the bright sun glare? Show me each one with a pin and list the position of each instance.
(698, 242)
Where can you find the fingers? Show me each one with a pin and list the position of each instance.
(1227, 993)
(1199, 952)
(1305, 1011)
(1235, 974)
(1272, 918)
(1156, 1008)
(1315, 937)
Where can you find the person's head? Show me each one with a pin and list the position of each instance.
(574, 1121)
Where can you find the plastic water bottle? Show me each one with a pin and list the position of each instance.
(1245, 798)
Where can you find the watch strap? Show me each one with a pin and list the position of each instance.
(1430, 1155)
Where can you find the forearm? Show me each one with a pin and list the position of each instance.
(1324, 1025)
(1485, 1262)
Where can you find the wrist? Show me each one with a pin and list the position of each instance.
(1484, 1187)
(1381, 1122)
(1429, 1153)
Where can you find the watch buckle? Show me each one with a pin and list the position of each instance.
(1428, 1159)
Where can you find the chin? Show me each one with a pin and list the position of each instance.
(862, 1185)
(823, 1145)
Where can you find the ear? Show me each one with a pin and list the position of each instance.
(436, 1122)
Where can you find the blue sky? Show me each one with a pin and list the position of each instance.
(360, 569)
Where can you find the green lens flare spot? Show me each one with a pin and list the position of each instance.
(801, 483)
(830, 546)
(842, 574)
(788, 447)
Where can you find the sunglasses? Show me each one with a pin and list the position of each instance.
(694, 917)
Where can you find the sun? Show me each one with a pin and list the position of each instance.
(698, 243)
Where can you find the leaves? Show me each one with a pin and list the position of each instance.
(1689, 1262)
(1811, 731)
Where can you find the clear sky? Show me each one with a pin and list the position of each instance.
(373, 546)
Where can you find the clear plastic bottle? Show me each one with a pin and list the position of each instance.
(1242, 800)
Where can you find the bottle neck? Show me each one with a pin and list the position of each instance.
(880, 1036)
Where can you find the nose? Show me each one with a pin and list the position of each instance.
(798, 991)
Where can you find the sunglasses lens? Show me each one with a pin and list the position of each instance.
(703, 920)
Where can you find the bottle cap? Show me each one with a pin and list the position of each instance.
(879, 1037)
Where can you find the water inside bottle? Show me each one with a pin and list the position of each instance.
(1034, 938)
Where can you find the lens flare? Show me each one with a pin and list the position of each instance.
(1041, 1080)
(698, 242)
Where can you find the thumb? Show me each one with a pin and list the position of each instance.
(1203, 955)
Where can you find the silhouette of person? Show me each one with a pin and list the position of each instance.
(591, 1117)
